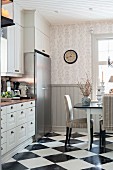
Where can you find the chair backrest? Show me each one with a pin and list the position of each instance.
(68, 108)
(108, 112)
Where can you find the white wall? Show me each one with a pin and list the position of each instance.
(78, 38)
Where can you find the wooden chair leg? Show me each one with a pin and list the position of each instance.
(103, 138)
(67, 134)
(70, 130)
(100, 136)
(91, 129)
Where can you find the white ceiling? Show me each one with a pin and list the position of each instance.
(70, 11)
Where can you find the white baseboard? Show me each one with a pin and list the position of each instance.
(14, 151)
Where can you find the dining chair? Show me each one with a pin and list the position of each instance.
(74, 123)
(106, 124)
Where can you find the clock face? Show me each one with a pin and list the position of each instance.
(70, 56)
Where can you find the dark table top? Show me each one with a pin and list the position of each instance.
(92, 105)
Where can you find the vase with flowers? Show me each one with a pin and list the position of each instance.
(85, 88)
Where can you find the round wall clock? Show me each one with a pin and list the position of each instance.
(70, 56)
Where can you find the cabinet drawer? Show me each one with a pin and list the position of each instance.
(31, 103)
(21, 117)
(31, 114)
(11, 139)
(31, 128)
(3, 110)
(11, 120)
(21, 133)
(3, 138)
(3, 118)
(11, 108)
(3, 127)
(3, 149)
(21, 106)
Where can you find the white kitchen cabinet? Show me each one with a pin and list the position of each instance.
(3, 118)
(18, 15)
(10, 49)
(18, 49)
(3, 127)
(21, 117)
(3, 110)
(35, 39)
(31, 128)
(31, 115)
(3, 55)
(36, 32)
(11, 139)
(11, 120)
(42, 24)
(12, 52)
(21, 133)
(18, 127)
(3, 148)
(41, 42)
(3, 130)
(29, 39)
(3, 138)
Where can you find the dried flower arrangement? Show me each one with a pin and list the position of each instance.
(86, 87)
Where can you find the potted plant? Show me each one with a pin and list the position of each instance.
(86, 89)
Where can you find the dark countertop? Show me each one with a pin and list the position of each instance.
(11, 102)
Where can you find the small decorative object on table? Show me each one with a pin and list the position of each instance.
(86, 89)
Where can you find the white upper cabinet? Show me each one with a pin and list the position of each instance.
(10, 49)
(18, 49)
(36, 32)
(18, 15)
(3, 55)
(12, 52)
(29, 39)
(42, 24)
(41, 42)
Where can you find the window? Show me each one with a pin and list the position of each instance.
(102, 49)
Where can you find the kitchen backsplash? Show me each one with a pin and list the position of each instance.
(23, 82)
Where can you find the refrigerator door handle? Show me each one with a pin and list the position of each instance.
(43, 88)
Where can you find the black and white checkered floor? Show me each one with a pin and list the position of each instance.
(49, 154)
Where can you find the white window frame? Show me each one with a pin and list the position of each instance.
(94, 40)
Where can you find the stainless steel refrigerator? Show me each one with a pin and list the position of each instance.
(38, 71)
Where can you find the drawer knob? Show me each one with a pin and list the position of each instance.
(11, 115)
(22, 112)
(1, 118)
(31, 123)
(22, 127)
(12, 132)
(21, 105)
(31, 103)
(1, 148)
(1, 110)
(31, 110)
(1, 137)
(11, 107)
(1, 127)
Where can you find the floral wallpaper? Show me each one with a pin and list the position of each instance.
(76, 37)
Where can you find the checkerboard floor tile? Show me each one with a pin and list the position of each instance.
(49, 153)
